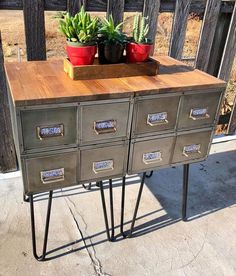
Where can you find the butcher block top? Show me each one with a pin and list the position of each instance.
(45, 82)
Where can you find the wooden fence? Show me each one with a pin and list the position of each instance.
(215, 55)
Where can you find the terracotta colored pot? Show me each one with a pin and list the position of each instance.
(138, 52)
(81, 55)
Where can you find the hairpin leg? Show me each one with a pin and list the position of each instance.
(129, 235)
(42, 257)
(88, 187)
(185, 191)
(149, 175)
(109, 236)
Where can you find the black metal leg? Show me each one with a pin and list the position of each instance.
(129, 235)
(109, 236)
(149, 175)
(185, 191)
(88, 187)
(42, 257)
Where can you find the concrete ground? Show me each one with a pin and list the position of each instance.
(162, 243)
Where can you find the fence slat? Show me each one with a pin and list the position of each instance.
(7, 148)
(227, 63)
(179, 28)
(151, 10)
(116, 8)
(207, 34)
(34, 29)
(73, 6)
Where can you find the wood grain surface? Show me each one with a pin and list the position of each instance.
(43, 82)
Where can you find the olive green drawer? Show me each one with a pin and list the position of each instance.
(48, 128)
(52, 171)
(104, 120)
(192, 146)
(103, 162)
(198, 110)
(155, 114)
(150, 154)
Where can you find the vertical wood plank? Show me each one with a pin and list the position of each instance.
(73, 6)
(34, 29)
(229, 50)
(207, 33)
(151, 10)
(179, 28)
(7, 149)
(116, 8)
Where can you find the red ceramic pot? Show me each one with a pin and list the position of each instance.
(81, 55)
(138, 52)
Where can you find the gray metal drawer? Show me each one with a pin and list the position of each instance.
(191, 146)
(198, 110)
(104, 161)
(48, 128)
(150, 154)
(155, 114)
(44, 173)
(104, 120)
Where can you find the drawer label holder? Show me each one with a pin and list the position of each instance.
(152, 157)
(50, 131)
(157, 119)
(199, 113)
(52, 176)
(191, 149)
(103, 166)
(107, 126)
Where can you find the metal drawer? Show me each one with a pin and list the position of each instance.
(104, 161)
(191, 146)
(150, 154)
(154, 114)
(104, 120)
(44, 173)
(198, 110)
(48, 128)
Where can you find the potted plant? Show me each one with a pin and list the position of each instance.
(81, 32)
(111, 42)
(139, 47)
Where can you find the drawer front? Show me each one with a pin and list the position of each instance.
(198, 110)
(104, 121)
(103, 162)
(153, 115)
(191, 146)
(50, 172)
(151, 154)
(46, 128)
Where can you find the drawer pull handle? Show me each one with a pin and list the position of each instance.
(52, 176)
(50, 131)
(157, 119)
(103, 166)
(152, 157)
(191, 149)
(199, 114)
(103, 127)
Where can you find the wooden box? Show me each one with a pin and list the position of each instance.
(107, 71)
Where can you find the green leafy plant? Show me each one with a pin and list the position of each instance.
(109, 33)
(81, 28)
(140, 30)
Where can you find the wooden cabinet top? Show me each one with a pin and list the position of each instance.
(45, 82)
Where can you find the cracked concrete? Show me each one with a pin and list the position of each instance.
(162, 243)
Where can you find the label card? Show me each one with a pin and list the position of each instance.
(199, 113)
(152, 157)
(190, 149)
(157, 118)
(106, 126)
(52, 175)
(101, 166)
(50, 131)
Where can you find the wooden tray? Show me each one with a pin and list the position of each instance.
(107, 71)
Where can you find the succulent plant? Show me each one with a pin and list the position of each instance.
(140, 30)
(81, 28)
(109, 33)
